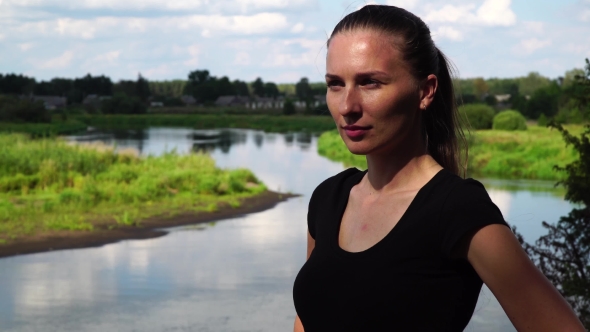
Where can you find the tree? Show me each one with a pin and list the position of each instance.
(303, 89)
(544, 100)
(142, 88)
(16, 84)
(481, 87)
(241, 88)
(533, 81)
(288, 107)
(563, 255)
(258, 87)
(271, 90)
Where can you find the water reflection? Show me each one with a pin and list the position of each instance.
(234, 275)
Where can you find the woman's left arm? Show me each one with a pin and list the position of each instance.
(531, 302)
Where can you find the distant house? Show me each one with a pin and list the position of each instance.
(156, 104)
(94, 100)
(266, 103)
(188, 100)
(502, 98)
(319, 100)
(51, 102)
(232, 101)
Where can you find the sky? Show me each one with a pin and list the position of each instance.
(277, 40)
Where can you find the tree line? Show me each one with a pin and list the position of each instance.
(534, 95)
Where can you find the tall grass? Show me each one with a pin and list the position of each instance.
(268, 123)
(501, 154)
(49, 185)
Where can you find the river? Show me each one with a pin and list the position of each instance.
(231, 275)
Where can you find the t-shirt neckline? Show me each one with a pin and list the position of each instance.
(344, 201)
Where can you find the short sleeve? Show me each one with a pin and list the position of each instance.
(467, 209)
(311, 213)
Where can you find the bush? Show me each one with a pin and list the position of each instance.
(289, 107)
(13, 109)
(509, 120)
(542, 121)
(480, 116)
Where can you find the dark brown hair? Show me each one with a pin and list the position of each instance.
(440, 122)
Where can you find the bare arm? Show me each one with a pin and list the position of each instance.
(531, 302)
(310, 245)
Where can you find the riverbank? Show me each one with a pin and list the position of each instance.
(529, 154)
(50, 186)
(103, 233)
(268, 123)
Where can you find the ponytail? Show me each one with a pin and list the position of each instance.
(444, 134)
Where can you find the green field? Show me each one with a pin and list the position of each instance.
(50, 185)
(529, 154)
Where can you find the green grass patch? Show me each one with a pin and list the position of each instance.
(50, 185)
(268, 123)
(500, 154)
(44, 129)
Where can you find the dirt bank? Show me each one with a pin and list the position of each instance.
(149, 228)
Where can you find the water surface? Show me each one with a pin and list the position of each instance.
(231, 275)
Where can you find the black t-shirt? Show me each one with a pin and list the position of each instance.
(408, 281)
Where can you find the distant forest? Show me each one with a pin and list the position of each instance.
(532, 95)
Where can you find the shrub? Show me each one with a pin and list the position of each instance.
(542, 121)
(509, 120)
(289, 107)
(480, 116)
(123, 104)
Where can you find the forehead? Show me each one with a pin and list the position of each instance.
(362, 50)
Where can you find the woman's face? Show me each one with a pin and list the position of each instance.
(372, 96)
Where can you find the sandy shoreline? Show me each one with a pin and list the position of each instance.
(150, 228)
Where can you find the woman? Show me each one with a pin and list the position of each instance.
(405, 245)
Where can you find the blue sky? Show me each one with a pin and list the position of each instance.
(278, 40)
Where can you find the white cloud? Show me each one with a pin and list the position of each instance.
(496, 12)
(490, 13)
(203, 6)
(584, 16)
(25, 46)
(242, 58)
(59, 62)
(108, 57)
(85, 29)
(281, 54)
(262, 23)
(532, 26)
(447, 32)
(297, 28)
(247, 25)
(194, 51)
(529, 46)
(405, 4)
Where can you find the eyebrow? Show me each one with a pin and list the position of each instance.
(365, 74)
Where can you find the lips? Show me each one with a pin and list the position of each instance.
(354, 131)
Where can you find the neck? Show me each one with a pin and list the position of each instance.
(406, 168)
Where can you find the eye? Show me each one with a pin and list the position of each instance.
(334, 85)
(370, 83)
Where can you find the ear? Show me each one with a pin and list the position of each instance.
(427, 91)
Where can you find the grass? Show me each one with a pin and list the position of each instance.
(529, 154)
(49, 185)
(268, 123)
(43, 129)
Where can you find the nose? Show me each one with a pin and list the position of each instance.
(350, 102)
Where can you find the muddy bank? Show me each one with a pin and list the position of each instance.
(149, 228)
